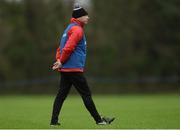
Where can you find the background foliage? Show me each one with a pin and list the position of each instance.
(126, 38)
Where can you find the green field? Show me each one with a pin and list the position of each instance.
(131, 111)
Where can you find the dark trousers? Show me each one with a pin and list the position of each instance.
(79, 82)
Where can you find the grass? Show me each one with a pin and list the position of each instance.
(131, 111)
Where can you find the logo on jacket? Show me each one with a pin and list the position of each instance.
(64, 35)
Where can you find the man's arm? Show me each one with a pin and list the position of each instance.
(58, 55)
(57, 64)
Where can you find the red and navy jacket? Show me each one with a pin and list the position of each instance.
(72, 49)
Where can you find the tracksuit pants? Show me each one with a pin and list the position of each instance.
(79, 82)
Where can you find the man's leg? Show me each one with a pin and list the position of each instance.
(65, 85)
(80, 83)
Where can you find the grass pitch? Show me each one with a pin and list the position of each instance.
(131, 111)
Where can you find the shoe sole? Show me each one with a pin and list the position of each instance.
(54, 125)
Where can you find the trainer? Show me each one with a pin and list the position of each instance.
(70, 62)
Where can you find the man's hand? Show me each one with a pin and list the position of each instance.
(57, 65)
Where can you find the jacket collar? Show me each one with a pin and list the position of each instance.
(74, 20)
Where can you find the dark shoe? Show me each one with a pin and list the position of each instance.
(108, 119)
(55, 124)
(105, 121)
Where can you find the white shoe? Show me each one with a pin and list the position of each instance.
(106, 121)
(102, 123)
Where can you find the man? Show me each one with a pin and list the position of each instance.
(71, 56)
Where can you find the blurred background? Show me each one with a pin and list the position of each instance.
(133, 45)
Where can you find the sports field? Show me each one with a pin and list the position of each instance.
(131, 111)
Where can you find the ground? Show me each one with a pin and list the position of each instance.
(131, 111)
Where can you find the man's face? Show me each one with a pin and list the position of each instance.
(84, 19)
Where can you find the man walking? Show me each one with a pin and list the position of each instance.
(71, 56)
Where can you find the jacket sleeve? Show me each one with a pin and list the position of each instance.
(75, 34)
(58, 54)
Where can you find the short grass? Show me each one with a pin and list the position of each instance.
(131, 111)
